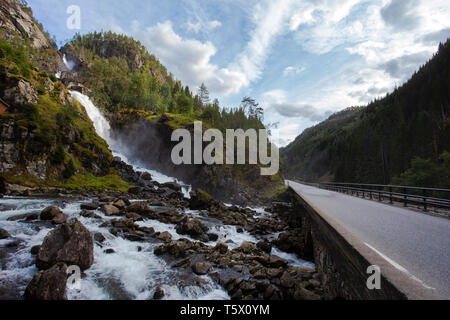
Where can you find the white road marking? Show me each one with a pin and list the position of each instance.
(399, 267)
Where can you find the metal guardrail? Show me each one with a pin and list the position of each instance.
(426, 197)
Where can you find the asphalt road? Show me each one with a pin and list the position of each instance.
(414, 243)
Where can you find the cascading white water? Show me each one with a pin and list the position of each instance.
(69, 64)
(101, 125)
(103, 129)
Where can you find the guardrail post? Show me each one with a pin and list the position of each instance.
(390, 195)
(379, 195)
(404, 198)
(425, 200)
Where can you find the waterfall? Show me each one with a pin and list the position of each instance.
(103, 129)
(101, 125)
(69, 64)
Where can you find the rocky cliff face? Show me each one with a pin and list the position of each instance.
(46, 137)
(150, 143)
(17, 25)
(16, 19)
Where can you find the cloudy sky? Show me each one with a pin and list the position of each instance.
(301, 59)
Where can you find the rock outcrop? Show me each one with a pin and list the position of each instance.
(48, 284)
(69, 243)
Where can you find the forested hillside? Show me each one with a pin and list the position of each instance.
(46, 137)
(121, 75)
(144, 103)
(402, 138)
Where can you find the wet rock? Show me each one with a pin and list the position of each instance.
(265, 246)
(159, 294)
(178, 249)
(48, 285)
(274, 272)
(134, 236)
(248, 248)
(221, 247)
(34, 250)
(164, 236)
(70, 243)
(99, 237)
(276, 262)
(147, 230)
(120, 204)
(89, 206)
(134, 216)
(104, 225)
(200, 200)
(192, 227)
(201, 268)
(4, 234)
(172, 185)
(50, 212)
(240, 230)
(26, 217)
(89, 214)
(140, 207)
(110, 210)
(146, 176)
(60, 218)
(109, 251)
(212, 237)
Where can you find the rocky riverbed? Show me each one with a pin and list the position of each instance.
(149, 245)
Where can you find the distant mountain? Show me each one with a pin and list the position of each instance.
(401, 138)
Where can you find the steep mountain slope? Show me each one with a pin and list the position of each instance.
(46, 137)
(377, 143)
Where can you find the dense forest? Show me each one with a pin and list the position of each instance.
(402, 138)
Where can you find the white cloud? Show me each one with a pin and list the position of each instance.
(190, 60)
(205, 26)
(277, 102)
(293, 70)
(380, 33)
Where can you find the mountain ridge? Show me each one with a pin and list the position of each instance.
(379, 142)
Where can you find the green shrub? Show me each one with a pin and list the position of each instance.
(69, 171)
(58, 155)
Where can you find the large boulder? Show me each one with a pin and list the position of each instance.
(50, 212)
(200, 200)
(140, 207)
(48, 285)
(70, 243)
(201, 268)
(192, 227)
(110, 210)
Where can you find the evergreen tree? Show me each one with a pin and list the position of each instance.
(203, 94)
